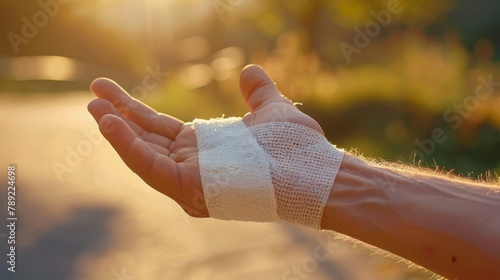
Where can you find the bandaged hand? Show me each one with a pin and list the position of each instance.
(272, 165)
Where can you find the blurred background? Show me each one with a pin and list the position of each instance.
(409, 81)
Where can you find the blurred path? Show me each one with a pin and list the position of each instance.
(84, 215)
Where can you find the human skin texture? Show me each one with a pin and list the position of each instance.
(448, 225)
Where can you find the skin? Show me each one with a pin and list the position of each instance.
(449, 226)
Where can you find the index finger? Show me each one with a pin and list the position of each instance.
(135, 110)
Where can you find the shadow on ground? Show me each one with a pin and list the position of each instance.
(55, 252)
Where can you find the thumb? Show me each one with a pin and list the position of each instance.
(258, 89)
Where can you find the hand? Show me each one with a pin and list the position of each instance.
(162, 150)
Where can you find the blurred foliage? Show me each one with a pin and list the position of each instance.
(392, 94)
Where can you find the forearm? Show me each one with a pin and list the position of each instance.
(448, 226)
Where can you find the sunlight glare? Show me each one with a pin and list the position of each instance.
(194, 47)
(196, 75)
(226, 61)
(54, 68)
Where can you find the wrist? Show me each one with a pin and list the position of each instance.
(357, 203)
(269, 172)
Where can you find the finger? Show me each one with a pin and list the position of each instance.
(155, 169)
(135, 110)
(258, 89)
(114, 93)
(100, 107)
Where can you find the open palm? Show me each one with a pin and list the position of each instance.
(162, 150)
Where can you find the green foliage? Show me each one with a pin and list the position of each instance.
(392, 92)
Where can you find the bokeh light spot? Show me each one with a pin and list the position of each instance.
(54, 68)
(196, 75)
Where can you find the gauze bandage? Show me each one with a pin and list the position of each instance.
(270, 172)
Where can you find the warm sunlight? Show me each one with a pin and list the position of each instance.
(157, 17)
(52, 68)
(410, 82)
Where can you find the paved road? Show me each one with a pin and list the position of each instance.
(83, 215)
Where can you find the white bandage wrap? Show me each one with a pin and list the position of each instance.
(235, 172)
(270, 172)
